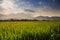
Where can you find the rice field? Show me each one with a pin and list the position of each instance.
(30, 30)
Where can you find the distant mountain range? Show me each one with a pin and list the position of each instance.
(47, 18)
(26, 16)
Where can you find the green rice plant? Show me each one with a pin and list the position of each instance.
(30, 30)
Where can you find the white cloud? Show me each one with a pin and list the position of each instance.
(11, 8)
(7, 4)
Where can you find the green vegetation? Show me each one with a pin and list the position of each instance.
(33, 30)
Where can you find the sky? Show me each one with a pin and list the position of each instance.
(30, 8)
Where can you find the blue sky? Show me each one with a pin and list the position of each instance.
(54, 4)
(31, 7)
